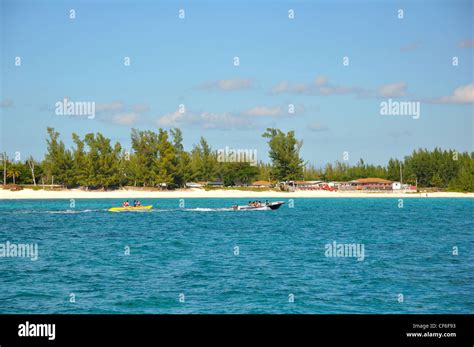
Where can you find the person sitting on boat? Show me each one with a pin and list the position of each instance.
(126, 204)
(139, 203)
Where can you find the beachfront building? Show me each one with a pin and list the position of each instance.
(292, 186)
(308, 185)
(396, 186)
(374, 184)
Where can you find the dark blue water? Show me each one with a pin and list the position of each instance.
(191, 251)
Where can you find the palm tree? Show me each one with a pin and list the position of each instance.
(13, 172)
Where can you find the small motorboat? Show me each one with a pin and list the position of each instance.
(264, 206)
(130, 208)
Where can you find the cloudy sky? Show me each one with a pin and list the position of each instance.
(333, 64)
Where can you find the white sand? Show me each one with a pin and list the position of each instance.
(201, 193)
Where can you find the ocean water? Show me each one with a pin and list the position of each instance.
(224, 261)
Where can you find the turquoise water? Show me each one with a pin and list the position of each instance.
(192, 251)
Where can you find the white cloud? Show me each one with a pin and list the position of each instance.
(205, 120)
(222, 121)
(324, 87)
(289, 87)
(173, 119)
(117, 112)
(128, 118)
(229, 84)
(392, 90)
(273, 111)
(259, 111)
(334, 90)
(321, 86)
(461, 95)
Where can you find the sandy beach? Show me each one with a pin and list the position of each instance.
(218, 193)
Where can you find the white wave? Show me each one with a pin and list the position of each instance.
(204, 209)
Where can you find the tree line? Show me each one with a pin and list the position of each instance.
(445, 169)
(159, 159)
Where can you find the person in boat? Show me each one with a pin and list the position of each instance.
(125, 204)
(267, 203)
(139, 203)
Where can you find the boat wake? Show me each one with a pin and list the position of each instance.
(204, 209)
(196, 209)
(56, 211)
(69, 211)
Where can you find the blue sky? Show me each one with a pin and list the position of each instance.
(282, 61)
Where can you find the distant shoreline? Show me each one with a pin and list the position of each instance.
(215, 193)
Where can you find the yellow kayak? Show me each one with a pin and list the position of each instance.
(130, 208)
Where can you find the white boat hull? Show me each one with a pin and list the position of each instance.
(263, 207)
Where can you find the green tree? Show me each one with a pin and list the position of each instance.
(80, 164)
(284, 154)
(145, 146)
(182, 161)
(58, 160)
(165, 162)
(464, 181)
(204, 163)
(102, 161)
(239, 173)
(13, 172)
(436, 180)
